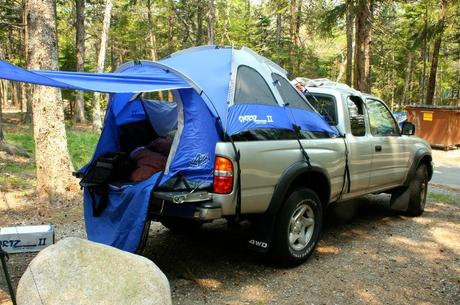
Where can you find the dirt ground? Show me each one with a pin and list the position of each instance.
(368, 255)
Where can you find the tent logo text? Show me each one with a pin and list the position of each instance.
(255, 119)
(200, 160)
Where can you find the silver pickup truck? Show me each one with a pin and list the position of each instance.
(285, 197)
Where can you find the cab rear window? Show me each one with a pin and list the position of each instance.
(325, 104)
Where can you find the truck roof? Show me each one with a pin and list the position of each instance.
(324, 85)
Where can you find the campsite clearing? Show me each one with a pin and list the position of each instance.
(372, 257)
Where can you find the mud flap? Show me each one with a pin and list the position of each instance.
(262, 234)
(400, 199)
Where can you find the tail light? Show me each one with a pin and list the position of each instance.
(223, 176)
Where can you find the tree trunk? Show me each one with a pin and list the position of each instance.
(1, 101)
(152, 38)
(3, 92)
(3, 84)
(363, 45)
(2, 138)
(424, 55)
(407, 78)
(369, 48)
(211, 21)
(247, 25)
(171, 31)
(434, 61)
(434, 68)
(225, 40)
(53, 164)
(19, 92)
(392, 81)
(28, 116)
(113, 60)
(298, 23)
(297, 42)
(27, 87)
(349, 34)
(342, 67)
(278, 31)
(199, 27)
(97, 117)
(293, 33)
(23, 97)
(14, 95)
(80, 67)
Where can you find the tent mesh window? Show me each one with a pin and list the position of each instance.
(251, 88)
(290, 95)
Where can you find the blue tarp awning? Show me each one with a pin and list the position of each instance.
(138, 79)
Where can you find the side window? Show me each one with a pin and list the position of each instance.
(356, 112)
(326, 106)
(289, 94)
(381, 121)
(251, 88)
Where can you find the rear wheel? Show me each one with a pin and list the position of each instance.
(298, 227)
(418, 191)
(181, 225)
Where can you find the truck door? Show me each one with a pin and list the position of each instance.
(360, 150)
(390, 156)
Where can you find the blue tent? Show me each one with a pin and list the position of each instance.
(219, 92)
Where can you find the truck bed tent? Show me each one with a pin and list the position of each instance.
(219, 92)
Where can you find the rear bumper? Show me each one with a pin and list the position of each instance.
(198, 206)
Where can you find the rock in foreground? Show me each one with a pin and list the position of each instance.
(76, 271)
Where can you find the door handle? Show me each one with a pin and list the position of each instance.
(378, 147)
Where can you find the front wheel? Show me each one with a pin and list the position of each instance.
(418, 188)
(298, 227)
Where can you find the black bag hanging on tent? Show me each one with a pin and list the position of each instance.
(108, 167)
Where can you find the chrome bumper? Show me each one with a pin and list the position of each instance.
(192, 205)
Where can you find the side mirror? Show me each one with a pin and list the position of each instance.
(408, 129)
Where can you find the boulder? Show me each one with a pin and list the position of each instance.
(77, 271)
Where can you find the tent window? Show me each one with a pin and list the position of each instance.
(289, 94)
(251, 88)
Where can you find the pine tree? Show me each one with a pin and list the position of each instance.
(53, 164)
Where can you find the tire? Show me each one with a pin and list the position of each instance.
(298, 227)
(418, 191)
(181, 225)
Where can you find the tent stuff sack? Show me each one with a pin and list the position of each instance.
(220, 93)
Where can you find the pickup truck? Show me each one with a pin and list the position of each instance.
(285, 197)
